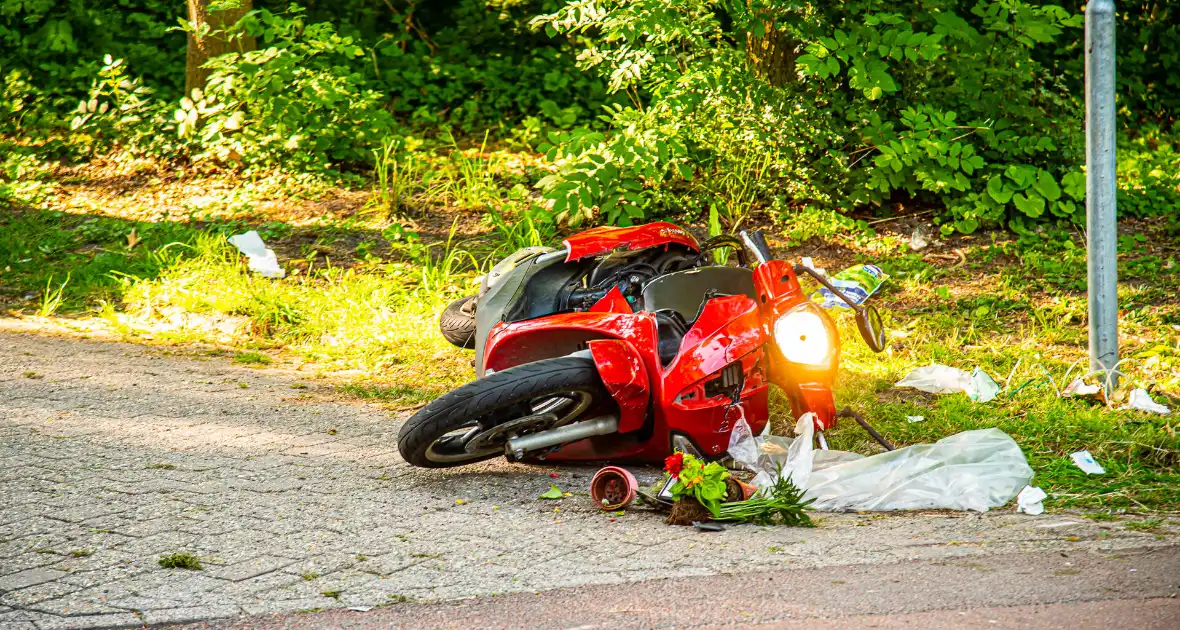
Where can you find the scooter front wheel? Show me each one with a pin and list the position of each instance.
(475, 421)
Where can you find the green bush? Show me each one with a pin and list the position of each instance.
(1149, 172)
(718, 108)
(297, 98)
(943, 105)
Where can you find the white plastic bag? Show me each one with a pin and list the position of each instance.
(1086, 462)
(983, 386)
(1141, 400)
(973, 470)
(1029, 501)
(943, 379)
(261, 258)
(937, 379)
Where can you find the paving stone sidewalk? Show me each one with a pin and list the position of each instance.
(112, 455)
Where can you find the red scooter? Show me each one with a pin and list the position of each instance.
(628, 344)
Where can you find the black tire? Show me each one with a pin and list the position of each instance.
(457, 322)
(495, 401)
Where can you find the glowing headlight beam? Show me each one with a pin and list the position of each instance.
(803, 337)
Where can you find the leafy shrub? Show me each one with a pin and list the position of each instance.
(943, 105)
(59, 45)
(595, 170)
(299, 98)
(118, 109)
(1149, 172)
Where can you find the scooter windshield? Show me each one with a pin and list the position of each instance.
(686, 292)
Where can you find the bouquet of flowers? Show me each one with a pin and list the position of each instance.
(703, 482)
(701, 491)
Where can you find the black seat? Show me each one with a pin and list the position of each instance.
(677, 299)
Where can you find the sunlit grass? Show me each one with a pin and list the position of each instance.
(379, 320)
(1033, 358)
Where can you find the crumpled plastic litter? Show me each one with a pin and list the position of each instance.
(858, 282)
(983, 386)
(1085, 461)
(918, 240)
(1080, 388)
(972, 470)
(1029, 501)
(913, 419)
(937, 379)
(943, 379)
(1141, 400)
(261, 259)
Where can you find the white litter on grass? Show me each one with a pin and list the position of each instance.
(1029, 501)
(1085, 461)
(937, 379)
(943, 379)
(261, 258)
(1078, 387)
(972, 470)
(912, 419)
(983, 386)
(1142, 401)
(918, 240)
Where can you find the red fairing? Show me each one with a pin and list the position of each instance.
(808, 389)
(601, 240)
(515, 343)
(816, 398)
(612, 302)
(625, 377)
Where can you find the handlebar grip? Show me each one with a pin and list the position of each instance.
(756, 242)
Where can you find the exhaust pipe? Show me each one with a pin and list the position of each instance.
(516, 447)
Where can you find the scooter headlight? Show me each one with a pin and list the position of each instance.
(803, 335)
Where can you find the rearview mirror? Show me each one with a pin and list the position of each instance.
(868, 320)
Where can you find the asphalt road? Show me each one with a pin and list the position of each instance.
(1133, 589)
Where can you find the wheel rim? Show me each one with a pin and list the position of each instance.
(487, 435)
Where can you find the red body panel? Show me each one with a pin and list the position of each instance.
(612, 302)
(657, 402)
(601, 240)
(808, 389)
(625, 378)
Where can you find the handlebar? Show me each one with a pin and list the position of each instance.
(756, 242)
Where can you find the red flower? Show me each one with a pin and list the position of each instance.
(673, 464)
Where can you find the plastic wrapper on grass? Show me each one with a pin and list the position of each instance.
(972, 470)
(942, 379)
(858, 282)
(1140, 400)
(261, 258)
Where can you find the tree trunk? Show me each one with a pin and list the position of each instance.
(772, 56)
(215, 42)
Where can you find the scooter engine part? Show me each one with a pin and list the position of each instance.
(518, 447)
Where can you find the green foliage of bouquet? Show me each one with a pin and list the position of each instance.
(706, 483)
(696, 479)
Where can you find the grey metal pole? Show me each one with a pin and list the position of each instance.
(1101, 216)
